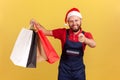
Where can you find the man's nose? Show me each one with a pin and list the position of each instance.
(74, 22)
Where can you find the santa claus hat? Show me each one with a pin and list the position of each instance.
(72, 12)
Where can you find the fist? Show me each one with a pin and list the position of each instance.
(33, 22)
(34, 25)
(81, 37)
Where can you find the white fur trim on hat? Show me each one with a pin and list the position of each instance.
(74, 13)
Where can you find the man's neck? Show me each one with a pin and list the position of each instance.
(77, 32)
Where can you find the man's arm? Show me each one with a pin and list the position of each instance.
(45, 31)
(38, 27)
(90, 42)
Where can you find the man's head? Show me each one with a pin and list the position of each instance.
(73, 18)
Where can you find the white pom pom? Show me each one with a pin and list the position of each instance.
(66, 24)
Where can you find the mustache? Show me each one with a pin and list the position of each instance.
(77, 29)
(76, 25)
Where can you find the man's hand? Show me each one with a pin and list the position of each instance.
(81, 37)
(34, 25)
(89, 42)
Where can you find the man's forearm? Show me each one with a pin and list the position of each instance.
(90, 42)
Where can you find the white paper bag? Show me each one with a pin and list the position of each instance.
(20, 52)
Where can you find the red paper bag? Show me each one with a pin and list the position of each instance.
(49, 50)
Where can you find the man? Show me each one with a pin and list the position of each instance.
(74, 41)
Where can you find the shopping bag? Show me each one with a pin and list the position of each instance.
(31, 63)
(24, 50)
(48, 49)
(41, 56)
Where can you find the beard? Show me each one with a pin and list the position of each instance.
(75, 29)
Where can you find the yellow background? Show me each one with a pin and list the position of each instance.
(100, 17)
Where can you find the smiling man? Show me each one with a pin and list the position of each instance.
(74, 41)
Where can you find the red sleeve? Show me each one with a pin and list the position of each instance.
(88, 35)
(60, 34)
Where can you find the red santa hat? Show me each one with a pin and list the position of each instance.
(72, 12)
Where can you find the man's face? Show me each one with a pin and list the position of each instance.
(74, 23)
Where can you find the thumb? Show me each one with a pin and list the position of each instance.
(32, 21)
(81, 35)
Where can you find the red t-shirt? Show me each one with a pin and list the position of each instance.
(61, 34)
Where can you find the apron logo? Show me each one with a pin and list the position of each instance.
(72, 52)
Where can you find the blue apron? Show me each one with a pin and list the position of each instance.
(71, 65)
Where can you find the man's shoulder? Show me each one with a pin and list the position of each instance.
(87, 33)
(60, 29)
